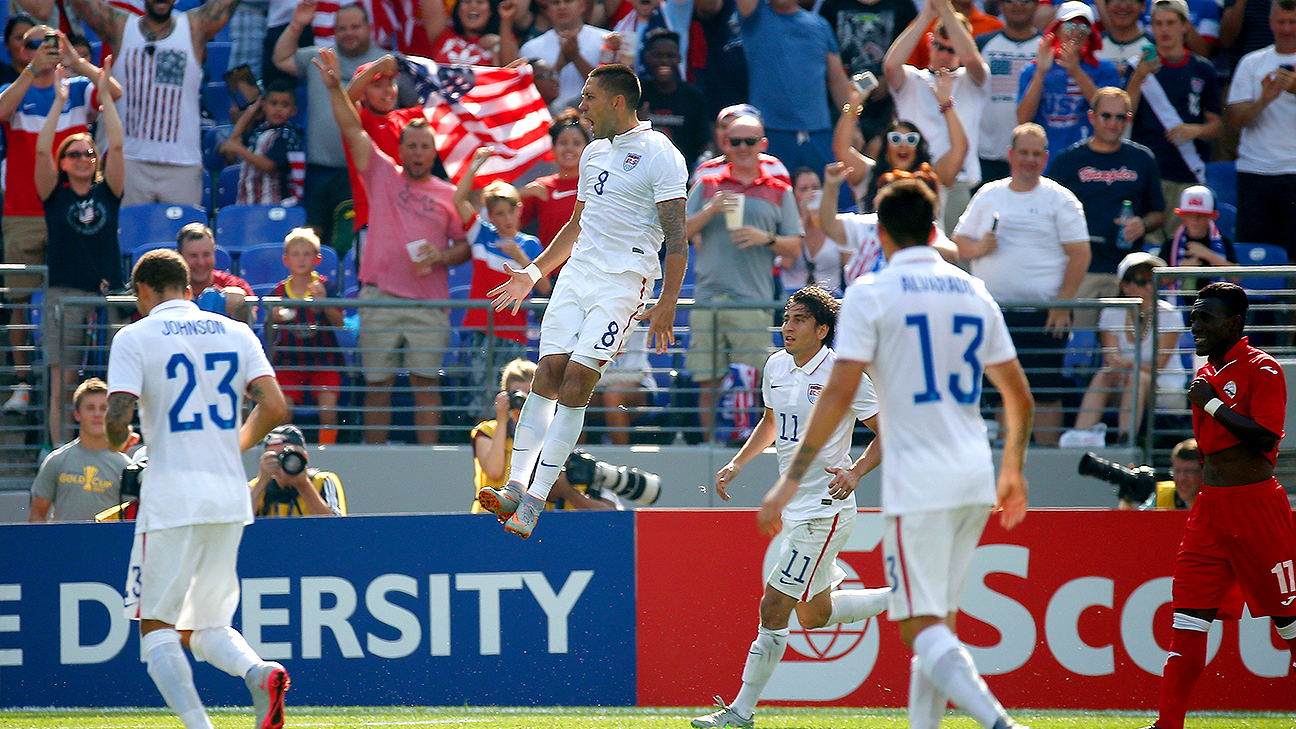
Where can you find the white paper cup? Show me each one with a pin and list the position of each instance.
(734, 215)
(415, 250)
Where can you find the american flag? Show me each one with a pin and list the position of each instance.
(476, 106)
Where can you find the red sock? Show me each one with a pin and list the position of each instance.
(1182, 669)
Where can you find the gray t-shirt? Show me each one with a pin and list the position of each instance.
(721, 268)
(323, 139)
(81, 482)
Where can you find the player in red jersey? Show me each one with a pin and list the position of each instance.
(1240, 528)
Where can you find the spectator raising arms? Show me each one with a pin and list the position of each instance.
(477, 32)
(271, 153)
(1056, 90)
(81, 204)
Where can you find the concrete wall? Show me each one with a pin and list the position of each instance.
(420, 479)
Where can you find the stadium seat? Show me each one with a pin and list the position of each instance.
(1221, 178)
(242, 226)
(226, 193)
(213, 161)
(348, 274)
(343, 227)
(1261, 254)
(207, 190)
(1227, 220)
(216, 100)
(218, 56)
(263, 264)
(139, 224)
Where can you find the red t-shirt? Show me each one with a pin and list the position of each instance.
(554, 209)
(385, 132)
(451, 47)
(1252, 384)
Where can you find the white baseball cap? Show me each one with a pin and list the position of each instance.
(1196, 199)
(1073, 9)
(1137, 258)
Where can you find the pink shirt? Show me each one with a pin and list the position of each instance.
(402, 211)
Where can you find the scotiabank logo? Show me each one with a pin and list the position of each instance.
(1048, 623)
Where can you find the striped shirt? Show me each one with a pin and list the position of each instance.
(285, 146)
(308, 341)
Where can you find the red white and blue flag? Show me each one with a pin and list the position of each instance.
(476, 106)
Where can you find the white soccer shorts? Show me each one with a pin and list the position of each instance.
(591, 313)
(186, 576)
(927, 557)
(807, 564)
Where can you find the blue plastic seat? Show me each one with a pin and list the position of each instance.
(226, 193)
(218, 56)
(239, 227)
(213, 161)
(216, 100)
(1227, 220)
(1261, 254)
(349, 274)
(1221, 178)
(140, 224)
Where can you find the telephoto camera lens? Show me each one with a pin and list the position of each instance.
(292, 460)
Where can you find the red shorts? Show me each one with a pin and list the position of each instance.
(295, 382)
(1243, 536)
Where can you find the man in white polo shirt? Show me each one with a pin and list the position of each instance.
(821, 516)
(926, 331)
(188, 369)
(1027, 239)
(630, 199)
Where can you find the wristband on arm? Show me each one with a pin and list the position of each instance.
(533, 272)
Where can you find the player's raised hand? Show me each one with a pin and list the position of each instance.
(661, 325)
(843, 482)
(724, 477)
(513, 291)
(1011, 502)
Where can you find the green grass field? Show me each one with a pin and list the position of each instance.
(595, 718)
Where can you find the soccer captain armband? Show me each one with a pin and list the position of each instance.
(1211, 406)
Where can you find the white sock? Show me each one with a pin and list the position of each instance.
(849, 606)
(528, 435)
(765, 654)
(225, 649)
(947, 663)
(562, 435)
(926, 702)
(170, 670)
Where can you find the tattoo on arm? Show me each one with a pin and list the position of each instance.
(254, 390)
(214, 14)
(121, 408)
(671, 214)
(105, 20)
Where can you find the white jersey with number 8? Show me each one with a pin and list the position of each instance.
(189, 369)
(927, 330)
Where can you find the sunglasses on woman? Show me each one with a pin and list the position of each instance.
(79, 154)
(907, 139)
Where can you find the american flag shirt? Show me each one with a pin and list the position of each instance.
(284, 145)
(159, 107)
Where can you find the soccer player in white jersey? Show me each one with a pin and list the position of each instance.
(630, 198)
(188, 371)
(820, 516)
(926, 331)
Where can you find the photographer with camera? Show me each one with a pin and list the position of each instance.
(493, 445)
(285, 484)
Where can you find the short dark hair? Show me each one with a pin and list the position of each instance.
(418, 122)
(568, 119)
(282, 86)
(619, 80)
(192, 231)
(905, 210)
(16, 20)
(1232, 296)
(657, 35)
(161, 269)
(822, 305)
(1186, 450)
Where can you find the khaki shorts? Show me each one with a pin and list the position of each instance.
(154, 182)
(185, 576)
(743, 338)
(413, 338)
(25, 239)
(1094, 286)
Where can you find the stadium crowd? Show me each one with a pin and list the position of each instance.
(1066, 143)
